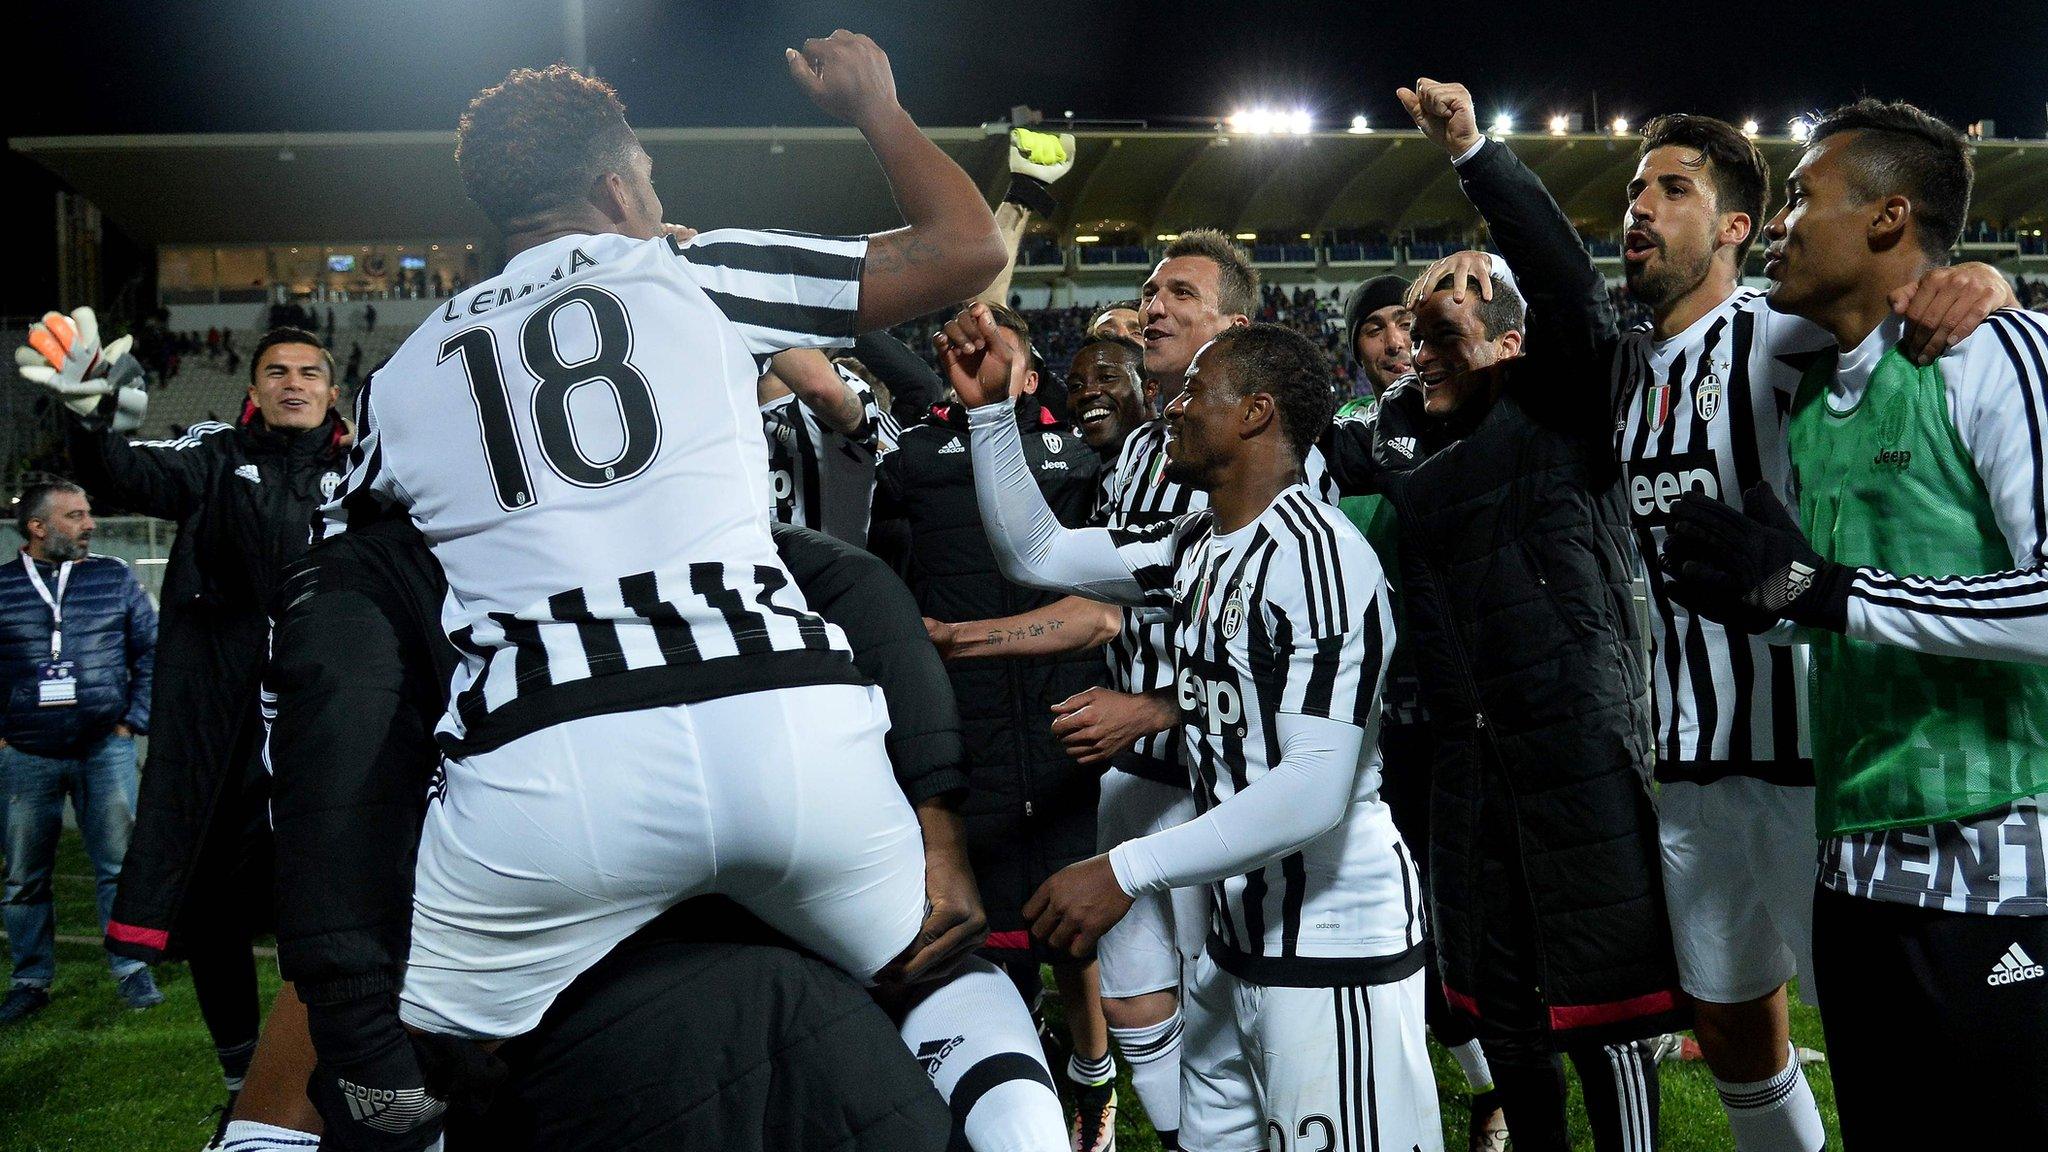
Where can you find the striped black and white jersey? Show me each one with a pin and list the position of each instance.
(1706, 411)
(1136, 493)
(1288, 614)
(578, 440)
(820, 478)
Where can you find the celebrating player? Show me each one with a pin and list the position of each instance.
(1702, 393)
(641, 679)
(1205, 286)
(1312, 969)
(1927, 735)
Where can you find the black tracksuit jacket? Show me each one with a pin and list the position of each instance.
(1517, 573)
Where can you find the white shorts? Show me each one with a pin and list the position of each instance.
(1305, 1069)
(541, 855)
(1738, 882)
(1144, 952)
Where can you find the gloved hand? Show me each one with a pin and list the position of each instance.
(1751, 568)
(64, 355)
(1037, 159)
(381, 1088)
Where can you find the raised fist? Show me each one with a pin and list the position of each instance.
(845, 74)
(979, 357)
(1443, 112)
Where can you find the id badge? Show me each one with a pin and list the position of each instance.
(56, 684)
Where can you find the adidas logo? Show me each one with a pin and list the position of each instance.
(953, 447)
(932, 1053)
(248, 472)
(1405, 445)
(2013, 967)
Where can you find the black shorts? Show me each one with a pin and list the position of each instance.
(1937, 1029)
(1013, 854)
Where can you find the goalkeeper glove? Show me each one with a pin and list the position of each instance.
(1748, 569)
(1036, 160)
(63, 354)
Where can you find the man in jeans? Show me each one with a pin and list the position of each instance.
(77, 642)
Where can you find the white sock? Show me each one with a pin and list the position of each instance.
(251, 1136)
(1774, 1115)
(1153, 1052)
(976, 1041)
(1090, 1073)
(1478, 1076)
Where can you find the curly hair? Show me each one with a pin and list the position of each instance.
(537, 141)
(1286, 365)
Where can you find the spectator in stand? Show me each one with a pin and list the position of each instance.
(212, 343)
(369, 317)
(197, 879)
(77, 643)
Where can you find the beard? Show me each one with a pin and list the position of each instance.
(1659, 288)
(58, 547)
(1187, 474)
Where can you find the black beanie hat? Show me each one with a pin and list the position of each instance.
(1366, 299)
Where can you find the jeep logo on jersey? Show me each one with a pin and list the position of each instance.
(781, 485)
(1213, 702)
(1655, 484)
(1892, 459)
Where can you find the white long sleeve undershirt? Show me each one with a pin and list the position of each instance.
(1031, 545)
(1304, 796)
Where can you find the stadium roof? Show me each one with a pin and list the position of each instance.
(271, 187)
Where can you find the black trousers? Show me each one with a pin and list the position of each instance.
(1937, 1029)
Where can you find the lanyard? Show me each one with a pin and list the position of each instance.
(56, 602)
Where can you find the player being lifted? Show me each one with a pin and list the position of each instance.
(646, 709)
(1304, 1016)
(1922, 593)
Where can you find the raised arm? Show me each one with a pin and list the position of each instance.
(1036, 160)
(951, 249)
(1569, 311)
(808, 373)
(913, 386)
(985, 364)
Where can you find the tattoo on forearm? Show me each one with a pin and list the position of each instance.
(894, 254)
(1003, 637)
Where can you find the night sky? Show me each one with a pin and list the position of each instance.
(343, 65)
(244, 65)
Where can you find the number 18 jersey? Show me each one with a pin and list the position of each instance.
(578, 438)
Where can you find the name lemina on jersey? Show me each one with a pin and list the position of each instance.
(480, 302)
(578, 439)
